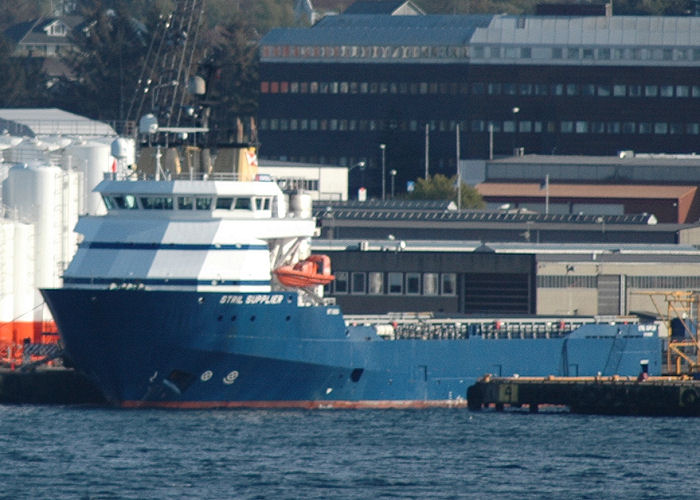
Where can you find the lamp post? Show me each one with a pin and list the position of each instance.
(515, 110)
(361, 165)
(392, 172)
(383, 148)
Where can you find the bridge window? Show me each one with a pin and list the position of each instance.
(157, 202)
(185, 202)
(126, 201)
(242, 204)
(203, 203)
(224, 203)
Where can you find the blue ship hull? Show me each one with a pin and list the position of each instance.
(193, 349)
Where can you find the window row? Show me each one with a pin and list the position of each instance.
(130, 202)
(394, 283)
(477, 125)
(649, 282)
(366, 51)
(483, 88)
(667, 282)
(567, 281)
(490, 52)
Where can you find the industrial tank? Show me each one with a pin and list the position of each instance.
(93, 160)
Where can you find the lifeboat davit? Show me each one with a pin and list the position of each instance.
(312, 271)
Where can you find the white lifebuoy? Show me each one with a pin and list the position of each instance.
(207, 375)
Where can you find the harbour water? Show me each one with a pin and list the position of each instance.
(78, 452)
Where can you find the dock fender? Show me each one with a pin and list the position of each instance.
(475, 396)
(688, 397)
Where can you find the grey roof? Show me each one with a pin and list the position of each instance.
(368, 30)
(660, 251)
(689, 160)
(376, 7)
(50, 121)
(478, 216)
(33, 31)
(382, 205)
(497, 39)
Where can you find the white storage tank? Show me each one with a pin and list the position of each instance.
(23, 275)
(93, 160)
(7, 251)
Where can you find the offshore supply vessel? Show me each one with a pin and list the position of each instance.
(203, 293)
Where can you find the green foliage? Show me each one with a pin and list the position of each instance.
(231, 71)
(262, 15)
(107, 63)
(440, 187)
(22, 82)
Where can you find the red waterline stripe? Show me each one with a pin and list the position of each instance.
(308, 405)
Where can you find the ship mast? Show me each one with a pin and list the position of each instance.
(167, 81)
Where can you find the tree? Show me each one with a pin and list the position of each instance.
(23, 80)
(107, 62)
(440, 187)
(231, 71)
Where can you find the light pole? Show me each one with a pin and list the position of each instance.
(392, 172)
(383, 148)
(361, 165)
(515, 110)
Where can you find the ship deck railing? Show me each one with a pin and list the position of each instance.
(186, 176)
(426, 327)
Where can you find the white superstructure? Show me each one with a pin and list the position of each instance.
(212, 235)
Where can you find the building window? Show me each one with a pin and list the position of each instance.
(341, 282)
(567, 127)
(376, 283)
(597, 127)
(675, 128)
(619, 90)
(395, 283)
(449, 284)
(661, 128)
(430, 283)
(588, 89)
(651, 90)
(682, 91)
(645, 128)
(628, 127)
(604, 91)
(358, 283)
(634, 90)
(666, 90)
(557, 53)
(412, 283)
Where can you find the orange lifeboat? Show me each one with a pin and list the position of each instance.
(312, 271)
